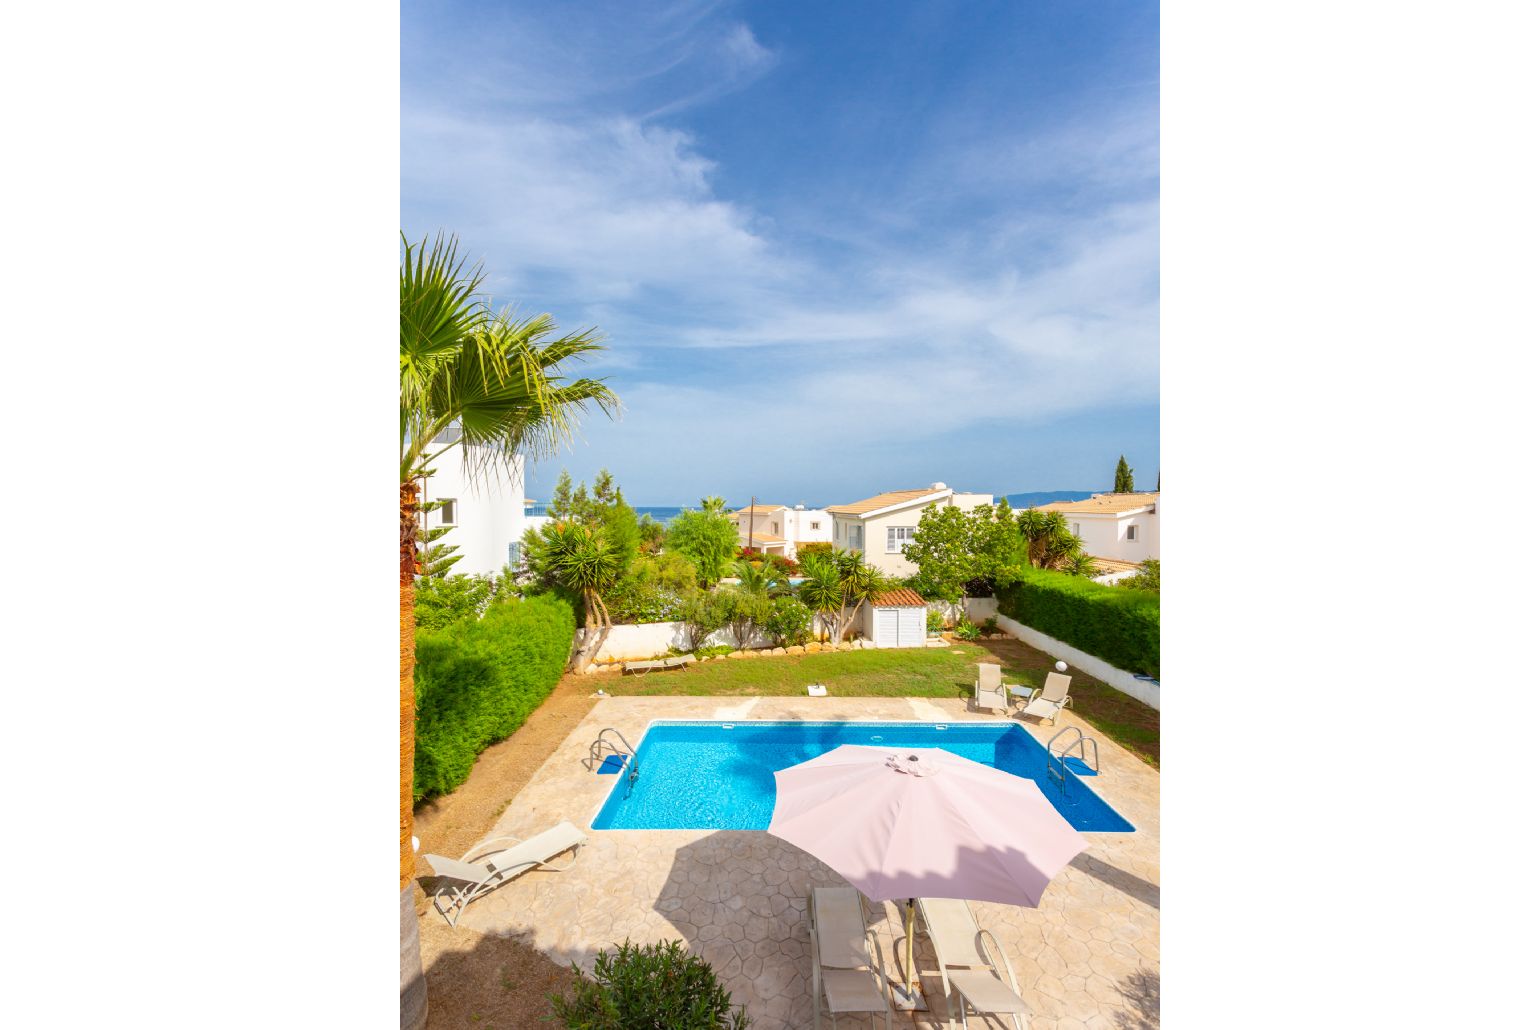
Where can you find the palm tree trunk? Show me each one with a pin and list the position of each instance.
(414, 989)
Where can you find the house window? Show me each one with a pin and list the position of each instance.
(898, 536)
(855, 538)
(812, 525)
(775, 527)
(513, 554)
(448, 515)
(1133, 532)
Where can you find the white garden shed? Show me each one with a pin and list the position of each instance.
(895, 619)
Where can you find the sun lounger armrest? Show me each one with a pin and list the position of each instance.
(1037, 692)
(989, 938)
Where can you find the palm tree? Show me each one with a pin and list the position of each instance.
(1050, 544)
(492, 385)
(836, 585)
(583, 563)
(763, 580)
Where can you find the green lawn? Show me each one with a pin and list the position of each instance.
(929, 672)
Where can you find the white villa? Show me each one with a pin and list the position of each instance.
(777, 529)
(879, 527)
(487, 514)
(1121, 529)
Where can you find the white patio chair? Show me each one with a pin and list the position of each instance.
(970, 977)
(988, 691)
(1047, 701)
(844, 974)
(481, 871)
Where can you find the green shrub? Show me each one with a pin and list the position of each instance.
(789, 622)
(634, 600)
(705, 612)
(714, 651)
(935, 622)
(442, 601)
(1147, 578)
(648, 987)
(965, 629)
(812, 548)
(1117, 625)
(478, 680)
(989, 625)
(744, 612)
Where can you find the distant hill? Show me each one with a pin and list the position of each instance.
(1033, 498)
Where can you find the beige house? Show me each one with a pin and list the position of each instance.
(777, 529)
(879, 527)
(1121, 527)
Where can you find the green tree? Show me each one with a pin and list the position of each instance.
(941, 550)
(500, 381)
(708, 538)
(434, 559)
(585, 564)
(788, 621)
(761, 578)
(744, 610)
(1050, 543)
(1123, 478)
(650, 533)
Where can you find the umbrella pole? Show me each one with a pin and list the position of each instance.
(908, 997)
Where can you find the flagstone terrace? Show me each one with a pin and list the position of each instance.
(1088, 956)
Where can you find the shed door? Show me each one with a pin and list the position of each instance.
(911, 627)
(885, 627)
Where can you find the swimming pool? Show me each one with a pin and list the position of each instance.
(720, 776)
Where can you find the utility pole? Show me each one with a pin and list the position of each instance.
(752, 501)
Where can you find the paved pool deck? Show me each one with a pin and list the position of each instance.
(1088, 956)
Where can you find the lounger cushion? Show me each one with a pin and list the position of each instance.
(1043, 709)
(841, 930)
(984, 991)
(849, 990)
(547, 845)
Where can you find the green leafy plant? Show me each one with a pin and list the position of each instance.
(714, 651)
(989, 626)
(707, 537)
(744, 611)
(648, 987)
(1120, 626)
(1147, 578)
(478, 680)
(704, 614)
(633, 601)
(935, 622)
(965, 629)
(441, 601)
(789, 622)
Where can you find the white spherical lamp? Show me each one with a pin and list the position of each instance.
(1060, 667)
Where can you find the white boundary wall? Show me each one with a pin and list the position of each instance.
(641, 640)
(1148, 691)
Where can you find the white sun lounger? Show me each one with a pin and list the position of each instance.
(844, 975)
(1046, 702)
(988, 692)
(656, 663)
(492, 863)
(970, 977)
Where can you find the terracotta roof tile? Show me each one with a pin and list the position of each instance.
(1103, 504)
(880, 501)
(1107, 565)
(902, 598)
(758, 509)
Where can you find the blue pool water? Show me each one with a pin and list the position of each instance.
(700, 776)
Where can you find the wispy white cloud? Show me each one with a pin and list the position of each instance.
(581, 198)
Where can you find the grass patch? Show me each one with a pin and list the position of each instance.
(910, 672)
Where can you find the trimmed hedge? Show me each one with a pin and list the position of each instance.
(1117, 625)
(478, 680)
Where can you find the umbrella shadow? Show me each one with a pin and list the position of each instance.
(1138, 888)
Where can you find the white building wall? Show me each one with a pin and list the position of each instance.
(489, 512)
(1106, 536)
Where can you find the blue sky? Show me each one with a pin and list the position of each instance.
(835, 248)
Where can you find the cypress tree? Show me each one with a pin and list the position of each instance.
(1123, 479)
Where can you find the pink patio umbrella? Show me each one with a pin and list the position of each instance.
(907, 823)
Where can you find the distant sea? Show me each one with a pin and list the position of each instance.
(667, 513)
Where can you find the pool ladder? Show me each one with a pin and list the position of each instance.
(1057, 769)
(603, 746)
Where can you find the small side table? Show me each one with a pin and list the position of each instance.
(1022, 694)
